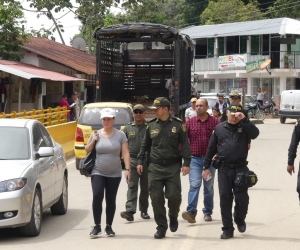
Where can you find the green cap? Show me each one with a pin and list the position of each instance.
(139, 107)
(235, 93)
(159, 102)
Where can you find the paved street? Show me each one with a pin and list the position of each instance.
(272, 221)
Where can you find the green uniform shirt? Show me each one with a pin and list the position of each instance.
(135, 134)
(163, 139)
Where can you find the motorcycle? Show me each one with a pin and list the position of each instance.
(270, 108)
(253, 111)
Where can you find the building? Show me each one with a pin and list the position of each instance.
(51, 55)
(229, 56)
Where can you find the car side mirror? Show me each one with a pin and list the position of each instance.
(44, 152)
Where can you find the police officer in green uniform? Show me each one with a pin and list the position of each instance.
(135, 132)
(163, 138)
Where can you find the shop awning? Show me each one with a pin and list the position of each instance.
(29, 71)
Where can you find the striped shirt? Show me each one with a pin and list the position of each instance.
(199, 133)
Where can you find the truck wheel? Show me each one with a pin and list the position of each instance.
(33, 228)
(282, 120)
(61, 206)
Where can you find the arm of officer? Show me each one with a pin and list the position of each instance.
(292, 152)
(210, 153)
(146, 144)
(185, 151)
(126, 157)
(250, 128)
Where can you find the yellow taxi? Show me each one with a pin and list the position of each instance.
(89, 121)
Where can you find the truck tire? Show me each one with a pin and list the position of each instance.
(61, 206)
(33, 228)
(282, 120)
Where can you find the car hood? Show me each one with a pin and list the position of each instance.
(12, 169)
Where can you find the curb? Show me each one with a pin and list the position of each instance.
(255, 121)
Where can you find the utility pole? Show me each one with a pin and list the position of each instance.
(90, 23)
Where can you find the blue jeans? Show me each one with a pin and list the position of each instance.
(195, 178)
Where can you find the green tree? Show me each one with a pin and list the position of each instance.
(284, 8)
(11, 32)
(224, 11)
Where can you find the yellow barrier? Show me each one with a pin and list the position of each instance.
(64, 134)
(49, 116)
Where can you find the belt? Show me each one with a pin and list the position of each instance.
(133, 156)
(235, 165)
(164, 162)
(202, 156)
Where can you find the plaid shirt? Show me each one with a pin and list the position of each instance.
(199, 133)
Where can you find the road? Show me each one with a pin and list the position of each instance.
(272, 221)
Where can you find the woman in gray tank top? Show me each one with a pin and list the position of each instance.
(107, 172)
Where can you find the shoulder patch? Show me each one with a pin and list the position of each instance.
(152, 120)
(183, 127)
(176, 118)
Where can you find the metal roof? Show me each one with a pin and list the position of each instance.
(29, 71)
(62, 54)
(280, 26)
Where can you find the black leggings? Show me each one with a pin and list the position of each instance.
(111, 185)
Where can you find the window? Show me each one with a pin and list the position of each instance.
(243, 44)
(38, 140)
(46, 136)
(255, 45)
(210, 47)
(221, 46)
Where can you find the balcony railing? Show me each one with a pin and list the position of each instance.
(279, 60)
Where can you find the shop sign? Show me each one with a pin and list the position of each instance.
(254, 65)
(231, 61)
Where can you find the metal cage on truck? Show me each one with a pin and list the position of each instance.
(124, 73)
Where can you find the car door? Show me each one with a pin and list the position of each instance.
(45, 167)
(57, 161)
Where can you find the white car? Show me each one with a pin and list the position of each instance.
(34, 175)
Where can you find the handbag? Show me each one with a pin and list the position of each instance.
(87, 164)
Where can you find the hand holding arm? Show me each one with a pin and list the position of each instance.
(89, 147)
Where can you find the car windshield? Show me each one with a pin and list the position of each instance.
(14, 143)
(211, 101)
(91, 117)
(249, 99)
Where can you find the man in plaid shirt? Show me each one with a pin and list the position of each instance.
(199, 129)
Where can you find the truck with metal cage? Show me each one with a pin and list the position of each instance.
(138, 59)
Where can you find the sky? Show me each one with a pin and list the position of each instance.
(71, 25)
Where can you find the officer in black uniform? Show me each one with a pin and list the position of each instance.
(229, 143)
(135, 132)
(163, 138)
(293, 153)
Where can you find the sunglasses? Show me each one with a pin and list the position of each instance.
(138, 111)
(234, 97)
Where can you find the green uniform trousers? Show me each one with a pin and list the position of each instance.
(164, 177)
(133, 185)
